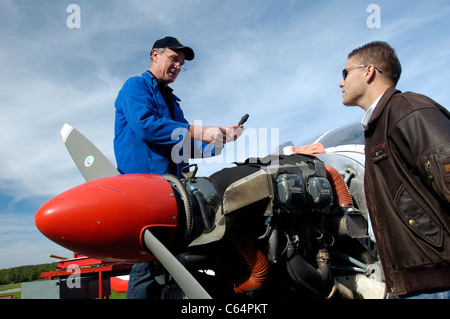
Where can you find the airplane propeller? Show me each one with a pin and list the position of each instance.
(93, 164)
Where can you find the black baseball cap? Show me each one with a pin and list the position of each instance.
(174, 44)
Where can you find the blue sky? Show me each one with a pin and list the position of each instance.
(279, 61)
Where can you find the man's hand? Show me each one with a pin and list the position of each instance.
(217, 135)
(233, 132)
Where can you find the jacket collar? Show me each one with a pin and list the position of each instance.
(153, 82)
(382, 105)
(150, 78)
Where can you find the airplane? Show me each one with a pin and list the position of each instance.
(293, 224)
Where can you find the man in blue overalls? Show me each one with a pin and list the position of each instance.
(153, 137)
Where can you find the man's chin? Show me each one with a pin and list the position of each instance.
(348, 103)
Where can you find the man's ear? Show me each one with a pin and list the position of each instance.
(370, 73)
(154, 55)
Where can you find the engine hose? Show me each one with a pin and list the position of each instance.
(203, 211)
(255, 262)
(340, 189)
(318, 280)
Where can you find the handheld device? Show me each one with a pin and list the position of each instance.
(243, 119)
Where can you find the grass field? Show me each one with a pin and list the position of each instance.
(4, 290)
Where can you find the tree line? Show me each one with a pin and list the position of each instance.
(20, 274)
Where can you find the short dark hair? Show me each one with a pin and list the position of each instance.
(382, 56)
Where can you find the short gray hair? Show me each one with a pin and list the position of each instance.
(160, 50)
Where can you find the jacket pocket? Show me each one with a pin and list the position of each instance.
(437, 169)
(418, 219)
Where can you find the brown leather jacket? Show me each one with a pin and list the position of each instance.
(407, 186)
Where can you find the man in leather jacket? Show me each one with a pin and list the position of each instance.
(407, 173)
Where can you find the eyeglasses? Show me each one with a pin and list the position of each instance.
(176, 63)
(345, 71)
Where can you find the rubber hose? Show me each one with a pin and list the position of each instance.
(255, 261)
(340, 189)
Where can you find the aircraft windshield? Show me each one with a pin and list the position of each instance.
(350, 134)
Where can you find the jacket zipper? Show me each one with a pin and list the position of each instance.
(429, 171)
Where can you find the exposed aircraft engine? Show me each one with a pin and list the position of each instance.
(283, 226)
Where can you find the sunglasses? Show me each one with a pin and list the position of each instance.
(345, 71)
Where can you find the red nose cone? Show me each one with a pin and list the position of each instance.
(105, 218)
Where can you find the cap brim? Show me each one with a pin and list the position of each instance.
(188, 52)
